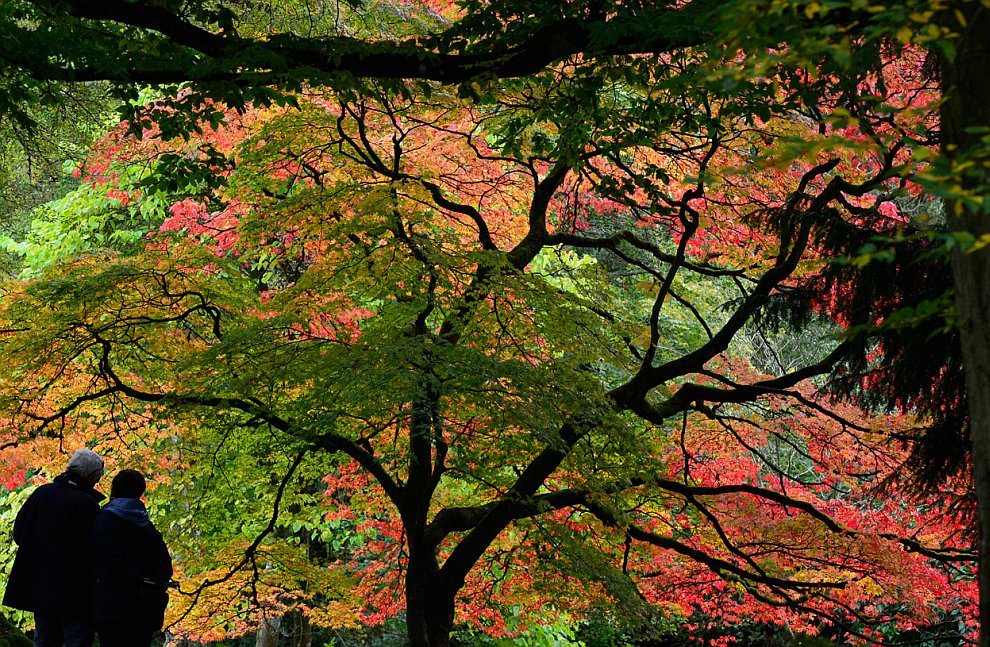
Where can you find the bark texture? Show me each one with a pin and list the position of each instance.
(966, 87)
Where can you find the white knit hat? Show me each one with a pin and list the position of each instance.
(88, 463)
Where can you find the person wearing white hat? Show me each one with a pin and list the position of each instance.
(51, 574)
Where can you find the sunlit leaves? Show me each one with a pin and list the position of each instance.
(487, 335)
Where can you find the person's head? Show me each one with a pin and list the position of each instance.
(87, 464)
(127, 484)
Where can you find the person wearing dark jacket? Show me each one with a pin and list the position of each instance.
(50, 575)
(132, 567)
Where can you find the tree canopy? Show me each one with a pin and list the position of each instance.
(449, 310)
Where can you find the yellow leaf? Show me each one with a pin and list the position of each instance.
(980, 243)
(871, 586)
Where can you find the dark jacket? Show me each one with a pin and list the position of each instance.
(131, 564)
(51, 569)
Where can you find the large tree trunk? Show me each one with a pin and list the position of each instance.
(966, 108)
(972, 278)
(429, 605)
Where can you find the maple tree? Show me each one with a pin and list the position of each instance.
(513, 308)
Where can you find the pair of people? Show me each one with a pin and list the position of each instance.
(82, 569)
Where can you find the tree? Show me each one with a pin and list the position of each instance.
(964, 150)
(36, 148)
(481, 305)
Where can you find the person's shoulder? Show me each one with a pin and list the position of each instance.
(106, 516)
(83, 497)
(46, 491)
(45, 488)
(111, 518)
(104, 522)
(37, 497)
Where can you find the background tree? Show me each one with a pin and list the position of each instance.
(964, 161)
(47, 131)
(385, 231)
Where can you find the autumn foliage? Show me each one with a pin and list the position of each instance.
(501, 346)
